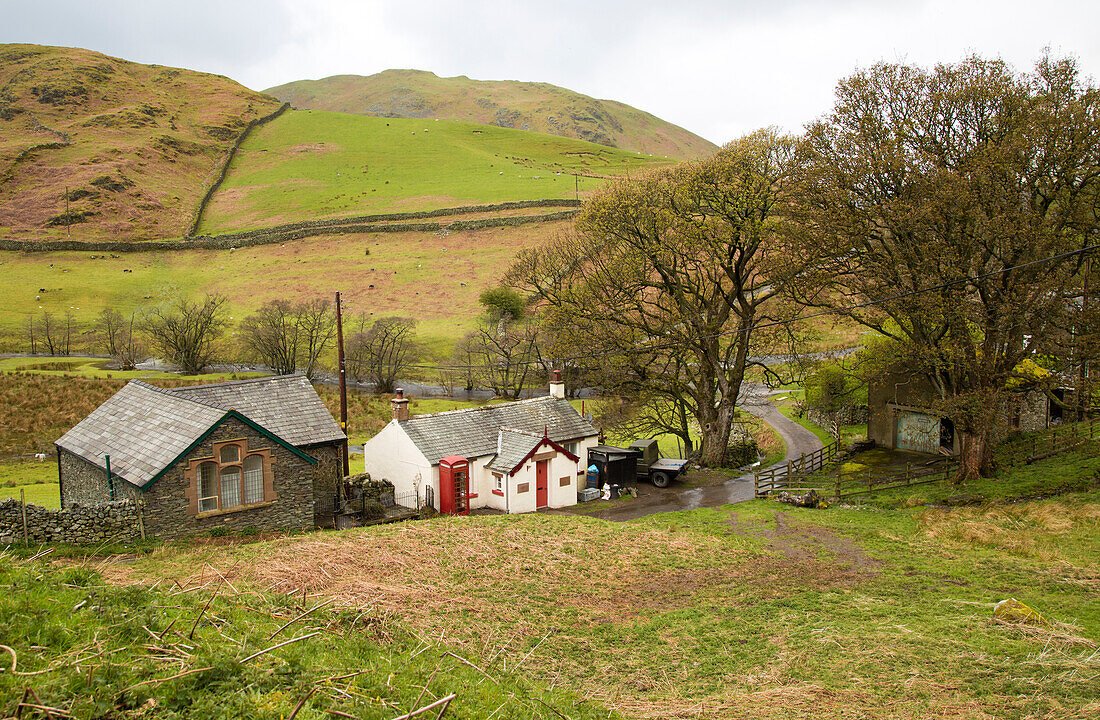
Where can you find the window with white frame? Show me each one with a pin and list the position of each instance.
(572, 448)
(498, 482)
(253, 479)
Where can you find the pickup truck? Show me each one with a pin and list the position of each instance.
(639, 461)
(660, 471)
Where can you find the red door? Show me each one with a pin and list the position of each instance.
(542, 483)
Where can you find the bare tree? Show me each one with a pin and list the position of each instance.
(381, 352)
(272, 337)
(187, 332)
(32, 338)
(949, 208)
(117, 338)
(49, 333)
(71, 326)
(675, 280)
(285, 336)
(503, 354)
(317, 325)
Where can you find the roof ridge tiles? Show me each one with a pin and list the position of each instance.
(480, 408)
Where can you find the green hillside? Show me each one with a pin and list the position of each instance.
(110, 149)
(540, 107)
(311, 164)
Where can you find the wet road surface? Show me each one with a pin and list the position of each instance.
(755, 400)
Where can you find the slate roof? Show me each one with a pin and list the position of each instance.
(287, 406)
(145, 428)
(512, 447)
(474, 432)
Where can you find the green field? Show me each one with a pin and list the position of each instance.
(757, 610)
(312, 164)
(433, 278)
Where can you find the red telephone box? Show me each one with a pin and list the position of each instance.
(454, 485)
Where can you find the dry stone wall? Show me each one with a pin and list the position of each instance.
(118, 521)
(297, 231)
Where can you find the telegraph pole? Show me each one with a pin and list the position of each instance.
(343, 381)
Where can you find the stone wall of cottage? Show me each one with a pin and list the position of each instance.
(117, 521)
(170, 513)
(327, 476)
(82, 483)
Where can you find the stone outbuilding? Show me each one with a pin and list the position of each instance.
(263, 454)
(901, 415)
(515, 457)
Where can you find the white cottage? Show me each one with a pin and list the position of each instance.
(515, 457)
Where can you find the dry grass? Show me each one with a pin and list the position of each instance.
(1045, 529)
(35, 410)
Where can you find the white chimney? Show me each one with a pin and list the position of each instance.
(557, 386)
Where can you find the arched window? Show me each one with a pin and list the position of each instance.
(253, 479)
(207, 486)
(233, 478)
(230, 454)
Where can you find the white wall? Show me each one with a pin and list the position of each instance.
(391, 455)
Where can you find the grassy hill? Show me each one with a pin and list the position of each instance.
(311, 164)
(507, 103)
(131, 145)
(756, 610)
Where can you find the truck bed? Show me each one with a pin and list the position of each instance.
(669, 465)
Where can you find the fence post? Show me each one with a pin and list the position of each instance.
(23, 511)
(908, 469)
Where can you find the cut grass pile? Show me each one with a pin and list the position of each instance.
(312, 164)
(759, 610)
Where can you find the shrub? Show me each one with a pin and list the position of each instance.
(373, 510)
(219, 531)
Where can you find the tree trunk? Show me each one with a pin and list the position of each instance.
(716, 429)
(976, 455)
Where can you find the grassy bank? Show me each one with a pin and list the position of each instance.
(757, 610)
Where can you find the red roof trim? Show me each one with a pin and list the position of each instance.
(543, 441)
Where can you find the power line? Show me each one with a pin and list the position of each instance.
(778, 323)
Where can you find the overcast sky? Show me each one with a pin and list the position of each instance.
(719, 69)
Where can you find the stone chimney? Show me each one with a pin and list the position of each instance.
(557, 386)
(400, 406)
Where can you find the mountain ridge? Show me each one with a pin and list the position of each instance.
(535, 106)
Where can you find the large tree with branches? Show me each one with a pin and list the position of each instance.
(673, 279)
(187, 332)
(944, 208)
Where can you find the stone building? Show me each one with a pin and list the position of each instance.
(262, 453)
(900, 415)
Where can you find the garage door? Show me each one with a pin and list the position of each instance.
(918, 432)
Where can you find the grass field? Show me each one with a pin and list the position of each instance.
(434, 279)
(757, 610)
(312, 164)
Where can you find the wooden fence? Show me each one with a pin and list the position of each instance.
(849, 483)
(780, 477)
